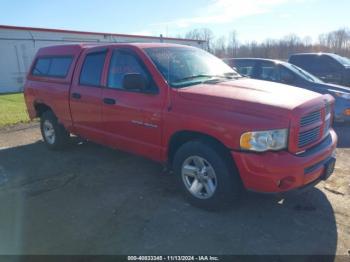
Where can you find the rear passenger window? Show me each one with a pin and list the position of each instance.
(91, 71)
(327, 65)
(52, 66)
(304, 61)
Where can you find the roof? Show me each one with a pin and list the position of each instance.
(93, 33)
(315, 53)
(259, 59)
(76, 48)
(102, 45)
(149, 45)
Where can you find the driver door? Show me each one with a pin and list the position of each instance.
(131, 118)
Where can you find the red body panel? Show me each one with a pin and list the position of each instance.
(262, 172)
(86, 111)
(134, 123)
(53, 92)
(145, 123)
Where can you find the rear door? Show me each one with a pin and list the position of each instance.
(86, 94)
(131, 119)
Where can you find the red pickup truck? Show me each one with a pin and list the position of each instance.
(219, 131)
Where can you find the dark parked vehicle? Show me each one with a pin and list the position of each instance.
(331, 68)
(283, 72)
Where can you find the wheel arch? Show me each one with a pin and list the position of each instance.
(40, 108)
(179, 138)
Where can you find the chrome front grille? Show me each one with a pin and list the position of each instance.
(328, 109)
(311, 118)
(308, 137)
(327, 125)
(314, 127)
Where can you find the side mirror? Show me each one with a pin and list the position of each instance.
(135, 82)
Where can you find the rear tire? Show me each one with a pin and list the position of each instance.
(54, 134)
(206, 175)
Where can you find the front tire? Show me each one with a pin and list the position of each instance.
(54, 134)
(206, 174)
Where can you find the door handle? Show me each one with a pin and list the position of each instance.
(76, 95)
(109, 101)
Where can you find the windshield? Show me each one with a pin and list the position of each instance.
(302, 73)
(182, 66)
(341, 59)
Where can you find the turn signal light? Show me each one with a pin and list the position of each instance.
(347, 112)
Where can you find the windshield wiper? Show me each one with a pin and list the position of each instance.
(232, 75)
(228, 75)
(194, 77)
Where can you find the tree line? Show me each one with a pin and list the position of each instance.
(337, 41)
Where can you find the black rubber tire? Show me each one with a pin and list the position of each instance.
(61, 134)
(229, 185)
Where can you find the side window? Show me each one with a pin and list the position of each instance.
(92, 68)
(327, 65)
(122, 63)
(41, 67)
(244, 67)
(306, 62)
(60, 66)
(310, 63)
(285, 75)
(52, 66)
(268, 71)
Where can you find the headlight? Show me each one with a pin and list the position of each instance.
(261, 141)
(341, 94)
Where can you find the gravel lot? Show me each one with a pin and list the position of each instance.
(90, 199)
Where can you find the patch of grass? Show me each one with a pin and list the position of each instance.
(12, 109)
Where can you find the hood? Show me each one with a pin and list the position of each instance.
(247, 91)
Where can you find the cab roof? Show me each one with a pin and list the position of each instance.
(315, 53)
(72, 49)
(257, 59)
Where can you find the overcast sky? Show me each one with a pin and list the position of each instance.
(252, 19)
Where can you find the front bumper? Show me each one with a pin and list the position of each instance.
(275, 172)
(341, 118)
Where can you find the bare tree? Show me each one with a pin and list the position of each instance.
(194, 34)
(220, 47)
(202, 34)
(336, 42)
(233, 43)
(208, 36)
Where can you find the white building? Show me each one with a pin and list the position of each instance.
(18, 46)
